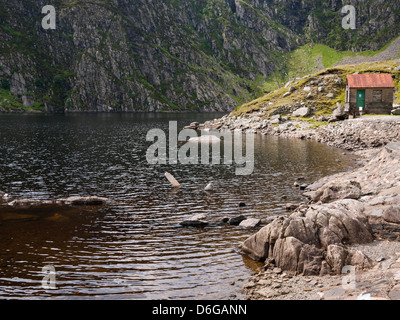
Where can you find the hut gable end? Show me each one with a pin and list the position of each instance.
(371, 93)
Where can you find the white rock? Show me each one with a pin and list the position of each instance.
(302, 112)
(275, 121)
(195, 221)
(209, 187)
(250, 223)
(172, 180)
(205, 139)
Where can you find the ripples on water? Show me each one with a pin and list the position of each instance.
(135, 248)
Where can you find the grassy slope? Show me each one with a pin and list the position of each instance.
(304, 64)
(323, 104)
(309, 59)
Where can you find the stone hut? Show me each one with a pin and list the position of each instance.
(374, 93)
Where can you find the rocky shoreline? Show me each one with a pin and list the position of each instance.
(352, 219)
(354, 134)
(357, 225)
(70, 201)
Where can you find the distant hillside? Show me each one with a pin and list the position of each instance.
(173, 55)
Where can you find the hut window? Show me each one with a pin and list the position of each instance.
(377, 96)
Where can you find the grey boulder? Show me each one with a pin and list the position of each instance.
(299, 243)
(195, 221)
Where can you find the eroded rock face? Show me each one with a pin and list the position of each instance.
(335, 191)
(392, 214)
(300, 242)
(293, 255)
(338, 256)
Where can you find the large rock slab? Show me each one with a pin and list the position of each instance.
(75, 201)
(299, 242)
(333, 191)
(340, 113)
(28, 202)
(83, 201)
(198, 220)
(302, 112)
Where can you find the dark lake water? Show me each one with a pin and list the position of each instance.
(134, 248)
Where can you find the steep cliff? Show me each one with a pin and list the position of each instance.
(137, 55)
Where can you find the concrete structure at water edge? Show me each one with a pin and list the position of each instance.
(370, 93)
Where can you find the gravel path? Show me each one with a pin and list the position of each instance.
(391, 52)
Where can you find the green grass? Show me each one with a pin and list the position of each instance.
(378, 115)
(37, 106)
(320, 102)
(308, 59)
(8, 102)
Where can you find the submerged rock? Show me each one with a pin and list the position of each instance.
(3, 195)
(224, 220)
(28, 202)
(236, 220)
(89, 201)
(83, 201)
(292, 206)
(209, 187)
(195, 221)
(11, 216)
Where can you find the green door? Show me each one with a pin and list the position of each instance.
(361, 99)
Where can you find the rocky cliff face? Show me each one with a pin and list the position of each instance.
(125, 55)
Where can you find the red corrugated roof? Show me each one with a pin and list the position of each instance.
(370, 81)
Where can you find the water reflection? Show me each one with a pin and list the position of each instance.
(135, 248)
